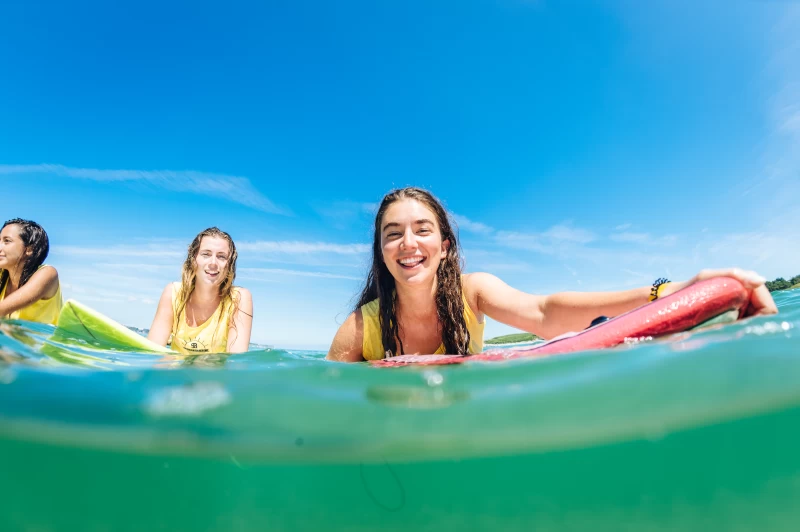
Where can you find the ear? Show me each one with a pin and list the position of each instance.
(28, 252)
(445, 248)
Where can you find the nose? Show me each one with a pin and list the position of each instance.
(409, 239)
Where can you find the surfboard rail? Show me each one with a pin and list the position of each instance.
(678, 312)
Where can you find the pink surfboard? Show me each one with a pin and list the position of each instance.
(678, 312)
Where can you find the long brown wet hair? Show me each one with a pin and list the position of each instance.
(33, 237)
(189, 275)
(380, 283)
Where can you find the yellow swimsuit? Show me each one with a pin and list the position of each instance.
(372, 346)
(210, 336)
(42, 311)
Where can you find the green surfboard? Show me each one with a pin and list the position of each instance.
(80, 321)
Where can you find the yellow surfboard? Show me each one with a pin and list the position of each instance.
(76, 319)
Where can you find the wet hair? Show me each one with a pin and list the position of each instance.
(33, 237)
(189, 275)
(380, 283)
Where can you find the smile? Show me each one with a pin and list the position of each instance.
(411, 262)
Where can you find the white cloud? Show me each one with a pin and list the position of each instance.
(233, 188)
(297, 247)
(528, 241)
(145, 251)
(622, 227)
(638, 238)
(555, 239)
(644, 239)
(468, 225)
(253, 273)
(569, 234)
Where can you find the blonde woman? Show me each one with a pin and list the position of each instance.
(205, 313)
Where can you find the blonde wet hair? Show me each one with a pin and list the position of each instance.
(189, 276)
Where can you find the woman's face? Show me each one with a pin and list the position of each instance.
(211, 262)
(13, 252)
(411, 241)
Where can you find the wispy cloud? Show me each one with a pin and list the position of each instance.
(569, 234)
(551, 241)
(255, 273)
(622, 227)
(296, 247)
(233, 188)
(638, 238)
(144, 251)
(469, 225)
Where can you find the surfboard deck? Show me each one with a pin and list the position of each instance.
(76, 319)
(688, 308)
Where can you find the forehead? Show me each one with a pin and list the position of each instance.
(11, 230)
(215, 244)
(408, 211)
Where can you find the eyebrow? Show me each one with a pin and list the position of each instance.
(418, 222)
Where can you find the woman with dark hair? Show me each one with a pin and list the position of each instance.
(416, 300)
(205, 313)
(29, 289)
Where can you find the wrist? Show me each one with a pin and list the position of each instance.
(659, 288)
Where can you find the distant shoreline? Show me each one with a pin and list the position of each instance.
(511, 344)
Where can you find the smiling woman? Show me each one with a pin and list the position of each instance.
(205, 313)
(416, 301)
(29, 289)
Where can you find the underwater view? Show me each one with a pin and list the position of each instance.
(696, 431)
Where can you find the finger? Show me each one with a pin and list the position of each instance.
(761, 303)
(748, 278)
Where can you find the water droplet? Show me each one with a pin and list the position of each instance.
(7, 376)
(433, 378)
(187, 400)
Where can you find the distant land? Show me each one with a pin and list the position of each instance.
(782, 284)
(512, 339)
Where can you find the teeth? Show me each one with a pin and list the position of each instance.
(411, 260)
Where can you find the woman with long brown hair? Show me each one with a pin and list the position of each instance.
(205, 312)
(417, 301)
(29, 289)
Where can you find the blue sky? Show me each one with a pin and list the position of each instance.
(581, 145)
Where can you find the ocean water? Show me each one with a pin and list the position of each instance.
(700, 431)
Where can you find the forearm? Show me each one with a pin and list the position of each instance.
(17, 301)
(574, 311)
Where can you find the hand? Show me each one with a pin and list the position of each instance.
(760, 303)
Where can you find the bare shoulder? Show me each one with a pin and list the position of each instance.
(48, 270)
(166, 294)
(245, 299)
(347, 345)
(45, 281)
(242, 293)
(478, 280)
(475, 285)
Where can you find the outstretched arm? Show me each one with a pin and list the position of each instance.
(43, 284)
(550, 316)
(164, 318)
(239, 335)
(347, 344)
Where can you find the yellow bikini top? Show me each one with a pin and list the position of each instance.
(42, 311)
(210, 336)
(372, 345)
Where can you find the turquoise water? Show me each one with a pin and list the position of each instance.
(697, 432)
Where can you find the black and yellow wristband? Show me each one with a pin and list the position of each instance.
(655, 291)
